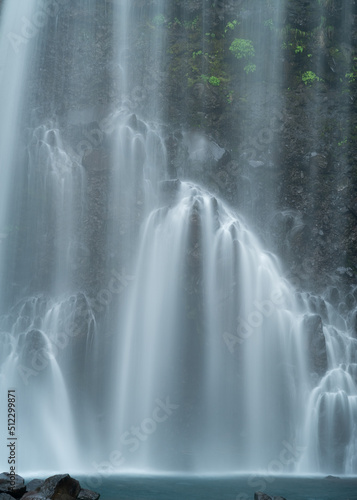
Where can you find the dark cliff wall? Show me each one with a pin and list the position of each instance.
(282, 145)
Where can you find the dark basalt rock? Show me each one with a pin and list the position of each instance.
(333, 295)
(169, 190)
(88, 495)
(34, 484)
(35, 495)
(354, 324)
(316, 343)
(263, 496)
(6, 487)
(259, 495)
(60, 484)
(58, 487)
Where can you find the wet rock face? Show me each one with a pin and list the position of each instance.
(61, 487)
(250, 156)
(169, 190)
(316, 343)
(34, 484)
(13, 486)
(58, 487)
(263, 496)
(88, 495)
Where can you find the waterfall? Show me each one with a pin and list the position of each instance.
(145, 323)
(219, 321)
(330, 428)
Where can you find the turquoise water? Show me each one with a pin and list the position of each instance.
(238, 488)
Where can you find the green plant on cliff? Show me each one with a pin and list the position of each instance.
(231, 25)
(351, 75)
(250, 68)
(230, 96)
(159, 20)
(212, 80)
(309, 77)
(242, 48)
(191, 25)
(269, 23)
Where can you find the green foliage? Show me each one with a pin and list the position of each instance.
(242, 48)
(269, 24)
(231, 25)
(212, 80)
(250, 68)
(309, 77)
(352, 75)
(286, 45)
(191, 25)
(196, 54)
(294, 40)
(289, 32)
(159, 20)
(175, 23)
(230, 96)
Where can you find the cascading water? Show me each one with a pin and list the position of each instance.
(260, 149)
(219, 321)
(41, 263)
(190, 354)
(331, 417)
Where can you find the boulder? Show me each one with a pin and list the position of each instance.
(259, 495)
(5, 496)
(88, 495)
(35, 495)
(34, 484)
(58, 487)
(6, 487)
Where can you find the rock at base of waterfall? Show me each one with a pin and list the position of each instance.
(6, 485)
(60, 487)
(88, 495)
(259, 495)
(34, 484)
